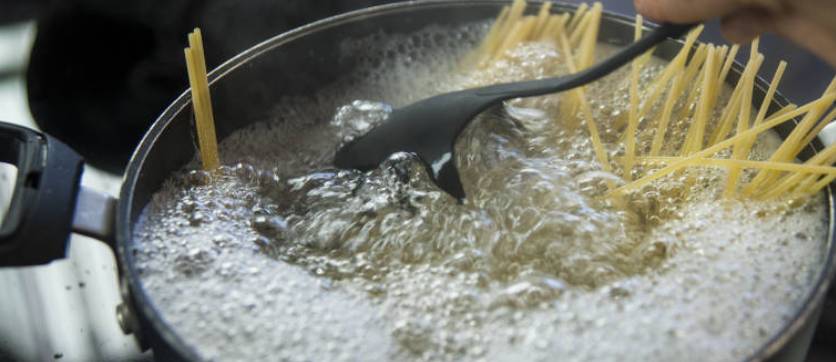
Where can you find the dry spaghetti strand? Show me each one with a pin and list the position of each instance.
(202, 102)
(691, 83)
(600, 151)
(754, 131)
(633, 119)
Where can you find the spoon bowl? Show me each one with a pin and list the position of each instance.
(429, 128)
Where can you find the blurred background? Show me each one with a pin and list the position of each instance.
(96, 73)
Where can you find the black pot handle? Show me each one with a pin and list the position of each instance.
(39, 219)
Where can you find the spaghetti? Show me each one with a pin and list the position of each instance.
(202, 102)
(691, 83)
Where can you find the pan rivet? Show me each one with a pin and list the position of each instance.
(122, 316)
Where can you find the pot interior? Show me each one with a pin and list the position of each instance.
(299, 64)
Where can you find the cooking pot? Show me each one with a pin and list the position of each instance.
(48, 202)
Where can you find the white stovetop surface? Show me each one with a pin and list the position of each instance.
(64, 311)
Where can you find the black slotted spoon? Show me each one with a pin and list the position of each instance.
(429, 128)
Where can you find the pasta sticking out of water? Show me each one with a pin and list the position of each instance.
(692, 83)
(202, 102)
(275, 255)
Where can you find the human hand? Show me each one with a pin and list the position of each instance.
(809, 23)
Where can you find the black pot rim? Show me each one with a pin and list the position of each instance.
(124, 228)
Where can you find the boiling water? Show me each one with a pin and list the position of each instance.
(280, 257)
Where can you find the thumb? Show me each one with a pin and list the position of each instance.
(684, 11)
(814, 36)
(743, 26)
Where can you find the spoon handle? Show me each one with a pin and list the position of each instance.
(552, 85)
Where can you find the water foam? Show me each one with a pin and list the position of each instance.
(280, 257)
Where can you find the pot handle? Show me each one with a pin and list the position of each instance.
(39, 219)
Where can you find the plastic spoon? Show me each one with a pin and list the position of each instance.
(429, 128)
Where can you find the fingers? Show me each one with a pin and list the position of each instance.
(815, 37)
(819, 11)
(744, 25)
(684, 11)
(808, 23)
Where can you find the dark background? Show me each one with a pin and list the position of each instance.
(101, 70)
